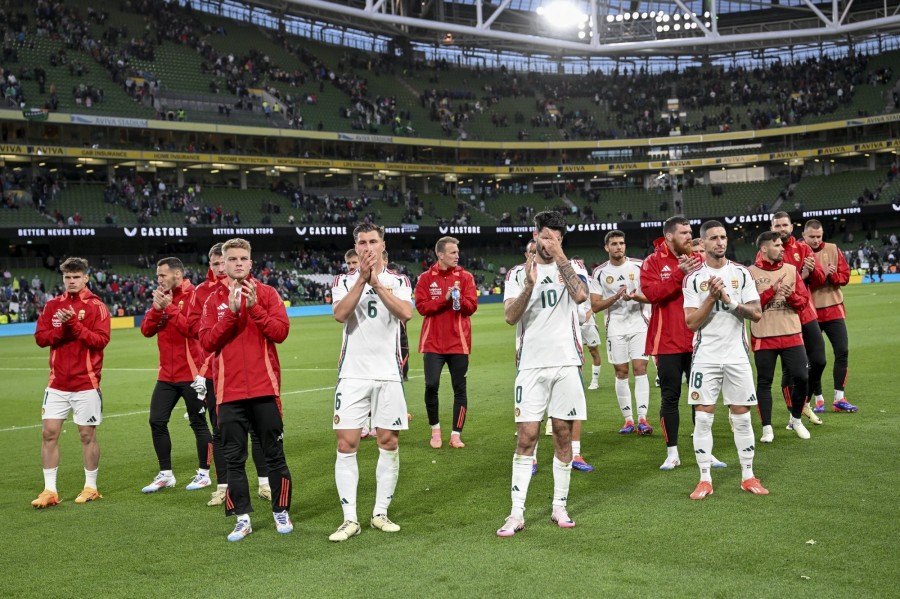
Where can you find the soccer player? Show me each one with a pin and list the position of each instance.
(541, 298)
(668, 338)
(180, 361)
(447, 298)
(371, 303)
(352, 260)
(242, 321)
(779, 332)
(75, 326)
(718, 296)
(800, 255)
(829, 302)
(206, 391)
(616, 288)
(590, 335)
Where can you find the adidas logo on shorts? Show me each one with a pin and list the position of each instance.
(398, 422)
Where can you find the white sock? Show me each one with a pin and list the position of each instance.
(562, 474)
(745, 442)
(436, 427)
(221, 487)
(703, 443)
(595, 373)
(387, 471)
(642, 395)
(166, 473)
(820, 398)
(454, 433)
(244, 517)
(346, 478)
(263, 480)
(50, 478)
(672, 452)
(576, 448)
(90, 478)
(838, 395)
(521, 477)
(203, 472)
(623, 394)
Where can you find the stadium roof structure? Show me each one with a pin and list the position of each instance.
(612, 28)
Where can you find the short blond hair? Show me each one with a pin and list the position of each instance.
(235, 244)
(442, 244)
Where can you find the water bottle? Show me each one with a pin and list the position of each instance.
(454, 293)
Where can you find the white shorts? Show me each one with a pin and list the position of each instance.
(355, 399)
(590, 334)
(735, 381)
(622, 349)
(86, 406)
(559, 391)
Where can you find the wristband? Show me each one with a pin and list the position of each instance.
(734, 304)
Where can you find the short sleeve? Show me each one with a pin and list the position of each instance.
(748, 291)
(339, 288)
(691, 296)
(513, 287)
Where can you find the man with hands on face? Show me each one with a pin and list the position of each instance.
(243, 320)
(718, 296)
(371, 303)
(180, 361)
(542, 299)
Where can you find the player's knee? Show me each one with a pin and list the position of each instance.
(50, 435)
(87, 435)
(345, 445)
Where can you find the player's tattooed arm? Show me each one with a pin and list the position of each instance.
(749, 311)
(514, 309)
(575, 285)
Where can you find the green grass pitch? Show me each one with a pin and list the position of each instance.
(828, 529)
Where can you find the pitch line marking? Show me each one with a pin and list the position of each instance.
(138, 413)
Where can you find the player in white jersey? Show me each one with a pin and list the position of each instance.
(541, 299)
(371, 302)
(718, 296)
(590, 335)
(616, 288)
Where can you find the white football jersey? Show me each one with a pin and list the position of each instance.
(549, 332)
(724, 338)
(623, 317)
(371, 345)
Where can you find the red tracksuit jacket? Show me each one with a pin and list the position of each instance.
(76, 347)
(201, 293)
(445, 330)
(246, 360)
(180, 354)
(661, 284)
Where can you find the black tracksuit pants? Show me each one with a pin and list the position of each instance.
(236, 420)
(458, 365)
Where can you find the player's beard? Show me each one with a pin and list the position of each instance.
(684, 249)
(539, 250)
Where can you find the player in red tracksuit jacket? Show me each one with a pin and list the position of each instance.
(782, 296)
(75, 326)
(180, 361)
(204, 385)
(241, 323)
(829, 302)
(799, 255)
(447, 298)
(668, 337)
